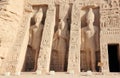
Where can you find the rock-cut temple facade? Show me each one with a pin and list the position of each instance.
(59, 35)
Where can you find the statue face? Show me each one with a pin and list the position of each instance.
(62, 24)
(40, 10)
(38, 16)
(90, 16)
(90, 21)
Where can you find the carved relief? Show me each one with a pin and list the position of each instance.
(110, 20)
(109, 15)
(91, 30)
(74, 49)
(47, 38)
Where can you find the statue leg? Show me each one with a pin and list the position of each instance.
(93, 60)
(88, 59)
(57, 62)
(54, 61)
(36, 57)
(61, 62)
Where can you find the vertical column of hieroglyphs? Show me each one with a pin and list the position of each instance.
(74, 47)
(46, 43)
(109, 12)
(103, 44)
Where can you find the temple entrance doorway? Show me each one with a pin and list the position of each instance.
(113, 52)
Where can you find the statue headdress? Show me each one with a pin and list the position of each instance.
(90, 14)
(39, 14)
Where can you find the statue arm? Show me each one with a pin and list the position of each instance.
(30, 36)
(66, 36)
(82, 39)
(55, 35)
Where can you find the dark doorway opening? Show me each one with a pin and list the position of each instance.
(113, 50)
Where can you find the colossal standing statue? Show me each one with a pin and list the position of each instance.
(36, 34)
(60, 43)
(90, 42)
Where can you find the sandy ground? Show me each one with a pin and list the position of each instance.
(64, 75)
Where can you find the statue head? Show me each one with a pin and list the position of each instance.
(40, 10)
(38, 16)
(90, 16)
(39, 13)
(61, 24)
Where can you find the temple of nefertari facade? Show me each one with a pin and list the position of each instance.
(59, 35)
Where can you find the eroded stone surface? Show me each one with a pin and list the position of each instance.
(44, 35)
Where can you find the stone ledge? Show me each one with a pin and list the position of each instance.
(63, 75)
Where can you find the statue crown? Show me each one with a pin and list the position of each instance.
(90, 14)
